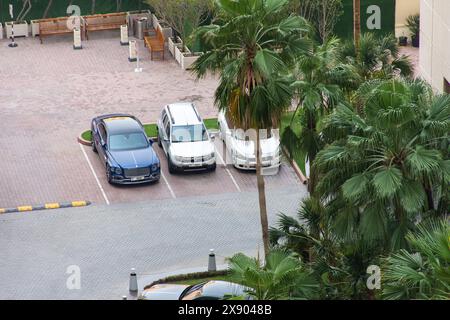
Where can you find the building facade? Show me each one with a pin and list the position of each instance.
(435, 43)
(403, 9)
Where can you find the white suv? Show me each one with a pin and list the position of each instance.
(242, 149)
(185, 139)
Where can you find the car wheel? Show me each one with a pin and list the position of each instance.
(94, 148)
(213, 167)
(108, 174)
(171, 166)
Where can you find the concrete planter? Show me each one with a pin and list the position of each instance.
(172, 43)
(20, 29)
(188, 59)
(34, 28)
(132, 15)
(155, 22)
(178, 54)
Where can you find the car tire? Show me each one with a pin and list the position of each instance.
(213, 167)
(94, 148)
(171, 166)
(108, 174)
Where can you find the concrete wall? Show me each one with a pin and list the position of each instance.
(434, 58)
(403, 9)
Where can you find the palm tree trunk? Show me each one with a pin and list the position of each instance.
(262, 197)
(357, 22)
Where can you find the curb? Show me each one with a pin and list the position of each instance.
(46, 206)
(84, 141)
(297, 170)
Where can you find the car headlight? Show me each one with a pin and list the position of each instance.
(116, 170)
(179, 158)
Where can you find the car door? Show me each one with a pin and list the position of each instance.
(166, 134)
(102, 140)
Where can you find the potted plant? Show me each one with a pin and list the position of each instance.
(34, 28)
(188, 58)
(173, 42)
(413, 25)
(20, 29)
(403, 41)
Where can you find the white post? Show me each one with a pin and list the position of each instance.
(133, 281)
(124, 35)
(212, 261)
(77, 39)
(13, 44)
(132, 56)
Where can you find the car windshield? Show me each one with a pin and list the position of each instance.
(192, 292)
(191, 133)
(128, 141)
(240, 134)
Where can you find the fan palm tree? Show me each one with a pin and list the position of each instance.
(281, 277)
(252, 47)
(376, 57)
(423, 272)
(396, 152)
(321, 83)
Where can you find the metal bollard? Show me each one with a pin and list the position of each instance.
(212, 261)
(133, 281)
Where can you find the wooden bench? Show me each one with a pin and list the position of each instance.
(54, 26)
(155, 43)
(108, 21)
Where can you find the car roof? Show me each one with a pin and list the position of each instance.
(216, 288)
(183, 113)
(122, 124)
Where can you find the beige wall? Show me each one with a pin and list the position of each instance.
(403, 9)
(435, 42)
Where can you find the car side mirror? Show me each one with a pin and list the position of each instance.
(150, 140)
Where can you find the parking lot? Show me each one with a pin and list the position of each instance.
(50, 92)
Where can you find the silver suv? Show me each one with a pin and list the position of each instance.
(184, 138)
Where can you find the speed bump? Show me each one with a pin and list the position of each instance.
(46, 206)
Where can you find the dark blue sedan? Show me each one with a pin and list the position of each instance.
(124, 149)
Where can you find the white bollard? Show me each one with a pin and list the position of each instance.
(132, 51)
(133, 281)
(124, 298)
(124, 35)
(77, 39)
(212, 261)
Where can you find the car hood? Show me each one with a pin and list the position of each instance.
(135, 158)
(192, 149)
(247, 148)
(163, 292)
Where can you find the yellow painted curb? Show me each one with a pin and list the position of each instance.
(25, 208)
(52, 206)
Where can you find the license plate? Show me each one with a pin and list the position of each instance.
(194, 165)
(137, 178)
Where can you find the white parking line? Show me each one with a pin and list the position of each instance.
(168, 185)
(228, 171)
(95, 175)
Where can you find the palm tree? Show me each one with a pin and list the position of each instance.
(356, 22)
(376, 57)
(252, 47)
(396, 152)
(423, 272)
(337, 262)
(321, 83)
(281, 277)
